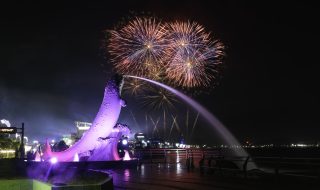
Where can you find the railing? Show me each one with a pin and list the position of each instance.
(156, 155)
(213, 160)
(291, 166)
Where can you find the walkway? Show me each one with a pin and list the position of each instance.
(176, 176)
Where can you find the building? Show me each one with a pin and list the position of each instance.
(82, 127)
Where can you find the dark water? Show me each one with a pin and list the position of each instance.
(309, 152)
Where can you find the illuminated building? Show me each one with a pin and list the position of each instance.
(82, 127)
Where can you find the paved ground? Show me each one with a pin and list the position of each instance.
(176, 176)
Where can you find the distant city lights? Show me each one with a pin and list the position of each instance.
(7, 151)
(5, 122)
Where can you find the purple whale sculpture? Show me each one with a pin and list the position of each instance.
(103, 127)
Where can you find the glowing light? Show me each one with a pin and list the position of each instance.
(27, 148)
(68, 142)
(76, 158)
(124, 141)
(7, 151)
(149, 46)
(37, 157)
(8, 130)
(83, 128)
(53, 160)
(178, 157)
(126, 155)
(5, 122)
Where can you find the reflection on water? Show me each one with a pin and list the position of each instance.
(178, 168)
(177, 176)
(178, 157)
(155, 176)
(142, 170)
(126, 174)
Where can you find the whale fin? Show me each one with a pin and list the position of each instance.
(123, 103)
(48, 152)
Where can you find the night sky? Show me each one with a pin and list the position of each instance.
(51, 59)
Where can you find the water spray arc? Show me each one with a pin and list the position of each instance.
(218, 126)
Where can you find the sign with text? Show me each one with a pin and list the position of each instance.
(9, 130)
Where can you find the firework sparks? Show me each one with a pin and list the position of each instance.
(134, 86)
(188, 69)
(159, 99)
(185, 36)
(181, 53)
(155, 124)
(192, 55)
(194, 124)
(138, 47)
(172, 125)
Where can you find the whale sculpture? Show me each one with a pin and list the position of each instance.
(103, 132)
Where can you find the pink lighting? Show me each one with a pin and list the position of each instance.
(37, 157)
(126, 155)
(76, 158)
(98, 137)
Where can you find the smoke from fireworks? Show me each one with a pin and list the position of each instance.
(180, 52)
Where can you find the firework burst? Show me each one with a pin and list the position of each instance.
(181, 53)
(192, 56)
(134, 86)
(138, 47)
(159, 99)
(185, 36)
